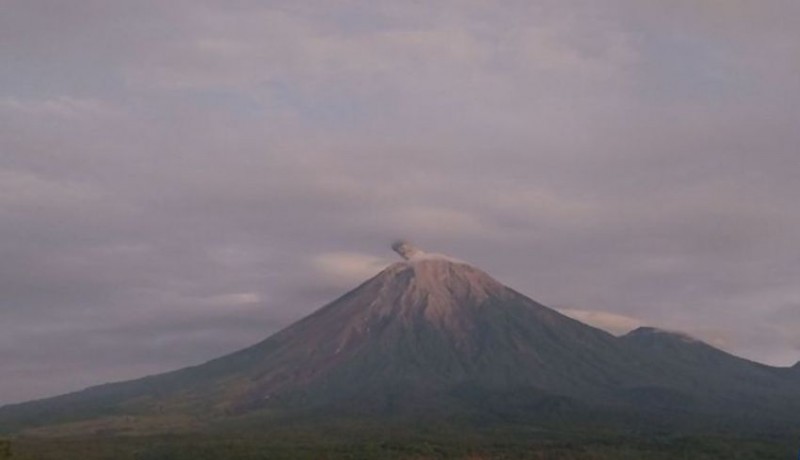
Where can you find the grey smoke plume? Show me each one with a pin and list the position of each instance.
(406, 249)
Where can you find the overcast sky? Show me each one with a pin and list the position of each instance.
(180, 179)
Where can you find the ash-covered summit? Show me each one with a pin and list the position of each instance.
(433, 337)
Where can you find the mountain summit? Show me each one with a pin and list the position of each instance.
(431, 336)
(421, 328)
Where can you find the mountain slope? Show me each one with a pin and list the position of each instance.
(713, 381)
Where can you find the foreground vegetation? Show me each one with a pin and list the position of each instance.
(215, 447)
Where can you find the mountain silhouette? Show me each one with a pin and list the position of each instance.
(431, 337)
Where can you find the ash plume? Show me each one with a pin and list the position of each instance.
(406, 249)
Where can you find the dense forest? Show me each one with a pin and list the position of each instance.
(201, 447)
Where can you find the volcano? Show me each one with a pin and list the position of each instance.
(431, 337)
